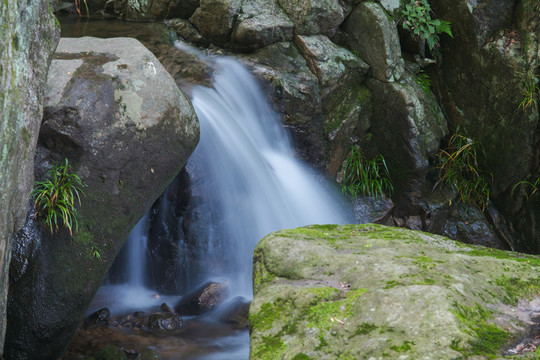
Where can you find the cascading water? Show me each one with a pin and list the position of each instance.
(244, 183)
(251, 182)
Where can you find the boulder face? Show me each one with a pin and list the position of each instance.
(486, 66)
(114, 112)
(371, 291)
(29, 36)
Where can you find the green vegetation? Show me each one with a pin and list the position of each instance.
(366, 177)
(424, 81)
(459, 170)
(487, 338)
(533, 187)
(55, 198)
(416, 17)
(530, 91)
(78, 7)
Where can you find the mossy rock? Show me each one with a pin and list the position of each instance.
(371, 291)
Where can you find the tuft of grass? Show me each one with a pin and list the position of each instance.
(459, 170)
(529, 92)
(533, 187)
(55, 198)
(366, 177)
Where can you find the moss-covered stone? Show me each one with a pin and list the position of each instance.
(370, 291)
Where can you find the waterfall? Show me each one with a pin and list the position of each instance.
(245, 183)
(247, 177)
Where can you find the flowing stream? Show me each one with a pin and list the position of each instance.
(252, 181)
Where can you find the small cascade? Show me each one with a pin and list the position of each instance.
(245, 178)
(244, 183)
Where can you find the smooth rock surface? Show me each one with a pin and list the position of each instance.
(127, 130)
(28, 35)
(371, 292)
(376, 40)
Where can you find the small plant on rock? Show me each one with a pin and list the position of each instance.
(530, 91)
(459, 170)
(532, 186)
(416, 17)
(55, 198)
(366, 177)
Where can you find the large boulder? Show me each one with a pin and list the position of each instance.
(151, 9)
(127, 130)
(373, 34)
(407, 128)
(372, 292)
(493, 54)
(29, 36)
(315, 17)
(215, 19)
(261, 23)
(346, 103)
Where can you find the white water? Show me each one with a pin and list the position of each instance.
(245, 183)
(249, 175)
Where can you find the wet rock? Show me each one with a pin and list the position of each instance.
(466, 224)
(29, 36)
(214, 19)
(153, 10)
(260, 23)
(313, 17)
(332, 64)
(151, 355)
(295, 94)
(417, 127)
(376, 40)
(98, 319)
(164, 321)
(166, 308)
(103, 107)
(346, 104)
(187, 31)
(203, 299)
(110, 352)
(372, 210)
(235, 312)
(495, 47)
(186, 68)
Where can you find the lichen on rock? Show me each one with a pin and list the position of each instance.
(371, 291)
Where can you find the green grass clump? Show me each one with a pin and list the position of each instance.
(529, 92)
(55, 198)
(366, 177)
(459, 170)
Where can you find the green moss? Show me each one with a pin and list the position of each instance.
(322, 343)
(406, 346)
(329, 306)
(301, 356)
(364, 329)
(391, 283)
(486, 338)
(517, 288)
(271, 348)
